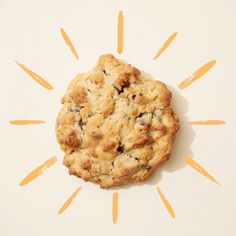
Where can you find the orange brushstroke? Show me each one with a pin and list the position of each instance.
(197, 74)
(165, 45)
(26, 122)
(38, 171)
(120, 33)
(166, 203)
(114, 207)
(69, 201)
(208, 122)
(36, 77)
(198, 168)
(69, 43)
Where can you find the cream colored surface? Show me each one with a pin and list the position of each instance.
(30, 33)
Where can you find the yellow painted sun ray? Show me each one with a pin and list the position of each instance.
(198, 168)
(120, 33)
(26, 122)
(69, 43)
(38, 171)
(115, 207)
(166, 203)
(69, 201)
(208, 122)
(165, 45)
(197, 74)
(35, 76)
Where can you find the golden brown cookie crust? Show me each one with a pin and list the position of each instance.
(115, 127)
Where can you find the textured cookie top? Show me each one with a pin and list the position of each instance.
(115, 126)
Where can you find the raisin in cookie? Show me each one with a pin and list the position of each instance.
(115, 126)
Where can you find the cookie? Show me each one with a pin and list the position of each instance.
(115, 126)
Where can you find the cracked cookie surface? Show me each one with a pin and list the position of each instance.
(115, 126)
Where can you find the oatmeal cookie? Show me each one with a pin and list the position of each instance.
(115, 126)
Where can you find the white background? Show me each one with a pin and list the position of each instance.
(29, 33)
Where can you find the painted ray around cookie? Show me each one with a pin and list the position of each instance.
(197, 74)
(120, 33)
(165, 45)
(69, 43)
(199, 169)
(35, 76)
(26, 122)
(207, 122)
(38, 171)
(115, 197)
(69, 201)
(166, 203)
